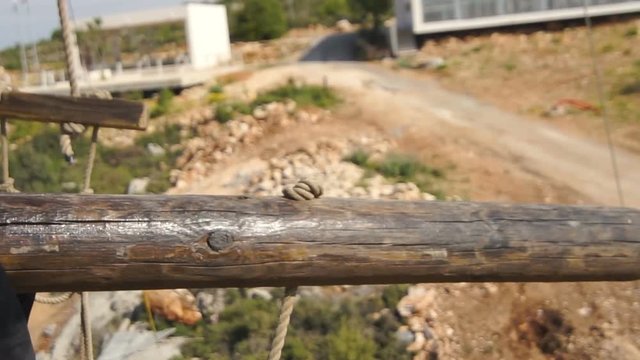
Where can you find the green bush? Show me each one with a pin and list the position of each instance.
(135, 95)
(631, 32)
(376, 9)
(241, 108)
(10, 58)
(358, 157)
(259, 20)
(243, 332)
(402, 168)
(224, 113)
(321, 329)
(303, 95)
(351, 343)
(37, 165)
(392, 294)
(164, 104)
(216, 89)
(328, 12)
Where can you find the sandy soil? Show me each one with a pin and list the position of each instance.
(529, 73)
(488, 147)
(489, 155)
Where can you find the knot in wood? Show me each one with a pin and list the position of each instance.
(219, 240)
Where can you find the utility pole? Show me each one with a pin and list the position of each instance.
(24, 65)
(291, 9)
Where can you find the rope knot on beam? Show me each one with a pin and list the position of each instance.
(303, 190)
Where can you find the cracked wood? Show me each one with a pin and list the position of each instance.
(74, 242)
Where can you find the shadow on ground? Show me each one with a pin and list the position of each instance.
(338, 47)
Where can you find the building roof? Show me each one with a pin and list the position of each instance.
(138, 18)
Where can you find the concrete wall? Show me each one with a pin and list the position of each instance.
(402, 10)
(207, 35)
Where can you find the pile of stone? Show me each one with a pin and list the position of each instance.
(214, 142)
(427, 332)
(324, 162)
(424, 335)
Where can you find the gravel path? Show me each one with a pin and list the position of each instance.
(580, 164)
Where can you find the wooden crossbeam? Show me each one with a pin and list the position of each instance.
(75, 242)
(111, 113)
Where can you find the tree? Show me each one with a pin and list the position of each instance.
(350, 342)
(376, 8)
(260, 20)
(330, 11)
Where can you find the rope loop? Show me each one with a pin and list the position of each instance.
(53, 300)
(288, 302)
(7, 186)
(303, 190)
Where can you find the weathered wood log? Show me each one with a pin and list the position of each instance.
(114, 113)
(75, 242)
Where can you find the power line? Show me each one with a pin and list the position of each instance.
(600, 90)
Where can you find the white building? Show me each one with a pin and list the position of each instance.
(423, 17)
(206, 28)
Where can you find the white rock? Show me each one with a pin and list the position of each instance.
(49, 330)
(344, 25)
(491, 288)
(428, 197)
(386, 190)
(418, 343)
(405, 336)
(449, 331)
(262, 293)
(430, 63)
(260, 113)
(155, 149)
(585, 311)
(138, 186)
(303, 116)
(290, 106)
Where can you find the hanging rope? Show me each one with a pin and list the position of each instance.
(600, 89)
(288, 302)
(68, 130)
(303, 190)
(7, 181)
(85, 326)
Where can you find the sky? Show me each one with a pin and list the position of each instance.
(44, 15)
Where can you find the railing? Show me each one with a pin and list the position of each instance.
(52, 242)
(76, 242)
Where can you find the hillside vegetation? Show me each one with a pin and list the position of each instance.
(548, 75)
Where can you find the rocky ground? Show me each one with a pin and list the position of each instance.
(546, 75)
(281, 142)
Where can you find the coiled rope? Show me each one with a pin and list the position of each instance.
(303, 190)
(53, 299)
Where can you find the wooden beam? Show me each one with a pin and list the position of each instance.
(115, 113)
(75, 242)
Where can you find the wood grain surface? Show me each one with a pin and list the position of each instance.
(75, 242)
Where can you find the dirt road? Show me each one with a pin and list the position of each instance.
(404, 104)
